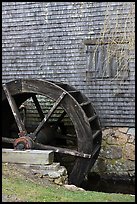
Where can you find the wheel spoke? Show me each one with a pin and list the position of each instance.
(59, 119)
(15, 110)
(38, 106)
(45, 119)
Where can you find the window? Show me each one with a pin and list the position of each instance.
(107, 60)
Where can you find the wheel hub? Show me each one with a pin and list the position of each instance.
(23, 143)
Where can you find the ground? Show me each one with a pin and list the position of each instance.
(21, 185)
(17, 171)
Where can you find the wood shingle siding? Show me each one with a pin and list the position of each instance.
(45, 40)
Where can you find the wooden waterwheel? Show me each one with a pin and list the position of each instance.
(67, 104)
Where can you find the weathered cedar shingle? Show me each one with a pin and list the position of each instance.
(46, 40)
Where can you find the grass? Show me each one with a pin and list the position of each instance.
(27, 190)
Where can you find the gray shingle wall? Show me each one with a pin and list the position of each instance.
(46, 40)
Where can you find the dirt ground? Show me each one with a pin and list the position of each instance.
(18, 170)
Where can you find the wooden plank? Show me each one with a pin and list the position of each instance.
(85, 103)
(96, 149)
(31, 157)
(92, 118)
(96, 134)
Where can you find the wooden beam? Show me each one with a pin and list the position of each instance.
(62, 150)
(55, 149)
(15, 110)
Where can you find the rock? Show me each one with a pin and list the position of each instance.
(120, 167)
(106, 133)
(62, 171)
(130, 165)
(53, 174)
(73, 187)
(118, 138)
(129, 152)
(112, 152)
(36, 171)
(131, 174)
(101, 164)
(131, 139)
(123, 129)
(131, 131)
(61, 180)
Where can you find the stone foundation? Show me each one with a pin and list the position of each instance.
(117, 155)
(54, 172)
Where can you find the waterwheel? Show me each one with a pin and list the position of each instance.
(65, 105)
